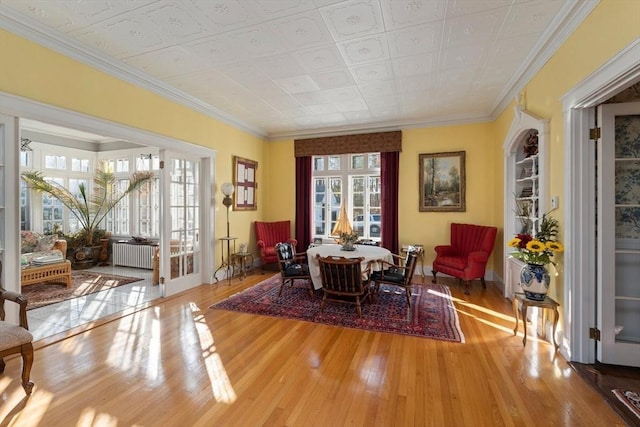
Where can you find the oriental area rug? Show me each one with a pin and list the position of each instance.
(432, 313)
(82, 283)
(630, 399)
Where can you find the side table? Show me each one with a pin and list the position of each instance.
(227, 263)
(244, 260)
(519, 299)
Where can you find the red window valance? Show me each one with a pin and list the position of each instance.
(379, 142)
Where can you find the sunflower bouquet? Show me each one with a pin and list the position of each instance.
(539, 249)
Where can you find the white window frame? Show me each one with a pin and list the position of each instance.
(37, 160)
(345, 175)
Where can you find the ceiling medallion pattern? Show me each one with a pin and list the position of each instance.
(405, 62)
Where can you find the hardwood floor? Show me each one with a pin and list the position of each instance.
(178, 363)
(604, 378)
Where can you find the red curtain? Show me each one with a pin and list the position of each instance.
(303, 202)
(389, 171)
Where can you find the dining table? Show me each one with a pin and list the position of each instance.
(368, 252)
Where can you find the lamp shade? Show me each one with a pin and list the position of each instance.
(342, 225)
(227, 188)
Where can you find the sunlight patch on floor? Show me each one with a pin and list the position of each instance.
(62, 316)
(127, 350)
(155, 347)
(473, 306)
(486, 322)
(33, 409)
(90, 417)
(220, 384)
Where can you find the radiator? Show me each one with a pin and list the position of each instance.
(128, 255)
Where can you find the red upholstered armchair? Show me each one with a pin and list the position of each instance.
(268, 235)
(467, 255)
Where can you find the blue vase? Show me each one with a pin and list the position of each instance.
(535, 279)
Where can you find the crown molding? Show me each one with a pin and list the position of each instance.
(383, 127)
(570, 16)
(32, 30)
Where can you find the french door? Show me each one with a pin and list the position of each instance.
(618, 287)
(181, 265)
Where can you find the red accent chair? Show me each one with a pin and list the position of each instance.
(467, 255)
(268, 235)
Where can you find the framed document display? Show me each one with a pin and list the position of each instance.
(244, 180)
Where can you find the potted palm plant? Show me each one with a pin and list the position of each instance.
(89, 209)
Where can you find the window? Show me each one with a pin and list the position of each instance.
(52, 211)
(142, 216)
(117, 220)
(149, 208)
(80, 165)
(137, 214)
(354, 178)
(25, 202)
(26, 158)
(74, 187)
(52, 161)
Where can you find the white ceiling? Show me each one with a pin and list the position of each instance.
(287, 68)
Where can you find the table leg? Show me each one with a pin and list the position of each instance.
(523, 312)
(243, 273)
(515, 314)
(555, 324)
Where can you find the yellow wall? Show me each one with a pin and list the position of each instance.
(42, 75)
(427, 228)
(613, 25)
(432, 228)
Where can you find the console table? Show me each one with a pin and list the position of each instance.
(519, 299)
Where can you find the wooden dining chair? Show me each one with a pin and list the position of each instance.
(342, 281)
(399, 273)
(293, 266)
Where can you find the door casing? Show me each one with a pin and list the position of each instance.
(620, 72)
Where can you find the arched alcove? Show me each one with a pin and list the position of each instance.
(525, 186)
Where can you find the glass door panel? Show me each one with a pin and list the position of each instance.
(619, 234)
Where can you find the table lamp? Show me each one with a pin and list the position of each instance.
(343, 226)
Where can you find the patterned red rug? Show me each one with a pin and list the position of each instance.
(83, 282)
(432, 313)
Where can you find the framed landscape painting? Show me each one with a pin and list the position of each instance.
(442, 182)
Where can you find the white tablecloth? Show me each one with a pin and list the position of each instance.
(367, 252)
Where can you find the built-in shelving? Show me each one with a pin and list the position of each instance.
(525, 187)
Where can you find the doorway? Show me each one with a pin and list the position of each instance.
(580, 294)
(22, 108)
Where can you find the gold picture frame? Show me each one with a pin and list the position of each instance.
(245, 183)
(442, 182)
